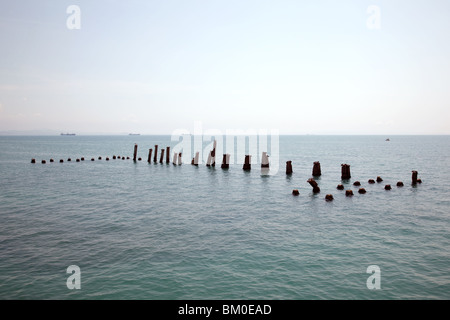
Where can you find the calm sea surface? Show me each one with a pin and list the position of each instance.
(158, 231)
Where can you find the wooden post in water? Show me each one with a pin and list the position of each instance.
(316, 169)
(135, 151)
(247, 163)
(156, 154)
(313, 184)
(195, 160)
(345, 172)
(289, 167)
(167, 154)
(208, 162)
(264, 160)
(175, 157)
(162, 155)
(213, 154)
(33, 160)
(414, 177)
(225, 161)
(149, 160)
(179, 158)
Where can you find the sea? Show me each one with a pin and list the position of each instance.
(151, 231)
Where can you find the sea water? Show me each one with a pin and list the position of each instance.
(158, 231)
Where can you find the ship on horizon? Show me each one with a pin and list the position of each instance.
(67, 134)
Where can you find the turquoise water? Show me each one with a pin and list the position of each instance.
(152, 231)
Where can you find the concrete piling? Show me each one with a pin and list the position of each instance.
(345, 170)
(289, 167)
(316, 172)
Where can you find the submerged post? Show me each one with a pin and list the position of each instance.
(345, 172)
(264, 160)
(162, 155)
(313, 184)
(179, 159)
(247, 163)
(288, 167)
(316, 169)
(135, 151)
(149, 160)
(156, 154)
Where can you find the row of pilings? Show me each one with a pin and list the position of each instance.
(211, 161)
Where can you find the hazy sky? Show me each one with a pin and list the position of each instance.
(303, 67)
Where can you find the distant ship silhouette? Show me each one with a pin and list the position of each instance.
(67, 134)
(134, 134)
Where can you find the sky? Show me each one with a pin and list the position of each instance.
(153, 67)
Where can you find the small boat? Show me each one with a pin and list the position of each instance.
(67, 134)
(134, 134)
